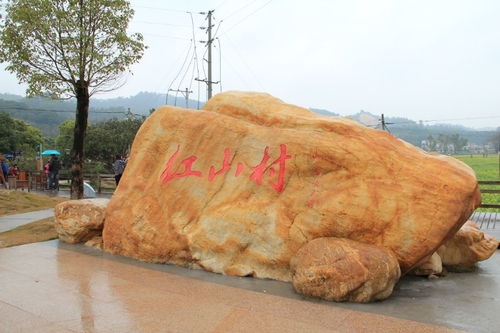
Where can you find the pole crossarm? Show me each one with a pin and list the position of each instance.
(185, 93)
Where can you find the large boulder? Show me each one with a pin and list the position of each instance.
(341, 270)
(80, 220)
(466, 248)
(240, 186)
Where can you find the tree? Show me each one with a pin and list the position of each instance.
(7, 133)
(16, 136)
(66, 133)
(443, 143)
(458, 143)
(70, 48)
(431, 144)
(106, 139)
(495, 140)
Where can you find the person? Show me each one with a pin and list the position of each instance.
(47, 174)
(14, 171)
(5, 171)
(54, 167)
(119, 168)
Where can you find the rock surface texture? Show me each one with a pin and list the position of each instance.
(432, 266)
(468, 246)
(339, 269)
(80, 220)
(239, 187)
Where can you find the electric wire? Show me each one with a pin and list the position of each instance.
(222, 4)
(156, 8)
(167, 24)
(195, 55)
(239, 10)
(245, 63)
(249, 15)
(68, 111)
(220, 64)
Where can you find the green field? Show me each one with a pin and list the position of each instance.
(486, 168)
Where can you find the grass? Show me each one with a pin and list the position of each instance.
(16, 202)
(486, 168)
(38, 231)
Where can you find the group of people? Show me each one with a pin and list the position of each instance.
(54, 165)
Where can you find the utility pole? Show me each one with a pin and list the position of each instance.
(209, 45)
(185, 93)
(384, 124)
(208, 80)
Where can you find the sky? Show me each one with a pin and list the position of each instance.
(432, 60)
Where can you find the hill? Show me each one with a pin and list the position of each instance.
(48, 114)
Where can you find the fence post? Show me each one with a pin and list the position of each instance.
(99, 182)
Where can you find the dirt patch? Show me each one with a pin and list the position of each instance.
(38, 231)
(17, 202)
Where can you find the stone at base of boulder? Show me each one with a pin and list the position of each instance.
(466, 248)
(433, 266)
(95, 242)
(80, 220)
(338, 269)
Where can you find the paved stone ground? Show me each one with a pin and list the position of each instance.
(59, 287)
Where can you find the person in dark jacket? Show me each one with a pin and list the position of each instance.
(54, 167)
(119, 168)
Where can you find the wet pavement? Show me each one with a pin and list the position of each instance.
(14, 221)
(59, 287)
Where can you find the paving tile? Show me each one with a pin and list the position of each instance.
(15, 320)
(52, 288)
(358, 322)
(240, 321)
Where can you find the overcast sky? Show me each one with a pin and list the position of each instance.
(422, 60)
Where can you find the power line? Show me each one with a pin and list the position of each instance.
(6, 108)
(167, 24)
(474, 118)
(161, 36)
(249, 16)
(239, 10)
(156, 8)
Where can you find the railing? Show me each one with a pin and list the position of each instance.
(106, 182)
(489, 183)
(103, 181)
(36, 179)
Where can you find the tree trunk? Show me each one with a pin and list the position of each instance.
(78, 156)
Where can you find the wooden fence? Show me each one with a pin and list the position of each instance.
(38, 180)
(100, 181)
(490, 183)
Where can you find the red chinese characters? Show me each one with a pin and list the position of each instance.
(261, 168)
(275, 169)
(225, 166)
(168, 174)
